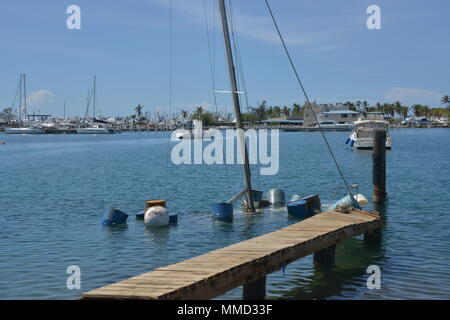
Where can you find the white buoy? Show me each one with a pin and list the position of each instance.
(156, 217)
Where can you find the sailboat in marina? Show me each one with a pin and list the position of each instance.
(97, 126)
(22, 112)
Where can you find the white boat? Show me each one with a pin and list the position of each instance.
(363, 132)
(94, 130)
(24, 131)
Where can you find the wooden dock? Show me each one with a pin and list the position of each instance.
(246, 263)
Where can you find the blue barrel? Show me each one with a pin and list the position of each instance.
(173, 217)
(313, 202)
(299, 209)
(352, 143)
(140, 215)
(348, 140)
(113, 217)
(223, 212)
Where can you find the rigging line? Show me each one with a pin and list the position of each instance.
(210, 57)
(170, 91)
(306, 97)
(14, 100)
(237, 50)
(212, 68)
(240, 69)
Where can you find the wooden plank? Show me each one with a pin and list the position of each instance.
(245, 263)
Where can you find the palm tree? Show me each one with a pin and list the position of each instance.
(365, 105)
(260, 111)
(286, 111)
(277, 111)
(199, 112)
(446, 100)
(296, 109)
(138, 110)
(184, 114)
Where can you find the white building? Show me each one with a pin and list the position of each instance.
(338, 113)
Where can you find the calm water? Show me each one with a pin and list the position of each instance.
(54, 190)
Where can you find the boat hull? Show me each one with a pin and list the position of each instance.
(24, 131)
(94, 131)
(366, 143)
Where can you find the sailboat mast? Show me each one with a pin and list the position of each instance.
(237, 108)
(95, 79)
(25, 98)
(20, 101)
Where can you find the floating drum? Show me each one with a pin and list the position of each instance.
(222, 212)
(140, 215)
(299, 209)
(113, 217)
(156, 217)
(173, 218)
(277, 197)
(314, 204)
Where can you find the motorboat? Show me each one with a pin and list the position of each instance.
(364, 130)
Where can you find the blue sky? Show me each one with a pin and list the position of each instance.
(126, 44)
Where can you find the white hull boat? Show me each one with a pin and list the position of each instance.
(363, 132)
(24, 131)
(94, 131)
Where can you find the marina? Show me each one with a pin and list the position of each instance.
(37, 243)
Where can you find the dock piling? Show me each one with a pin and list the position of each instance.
(373, 237)
(255, 290)
(325, 257)
(379, 166)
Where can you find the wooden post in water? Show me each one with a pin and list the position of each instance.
(255, 290)
(325, 257)
(379, 166)
(379, 180)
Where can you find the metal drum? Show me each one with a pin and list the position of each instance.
(113, 217)
(222, 212)
(277, 197)
(314, 204)
(299, 209)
